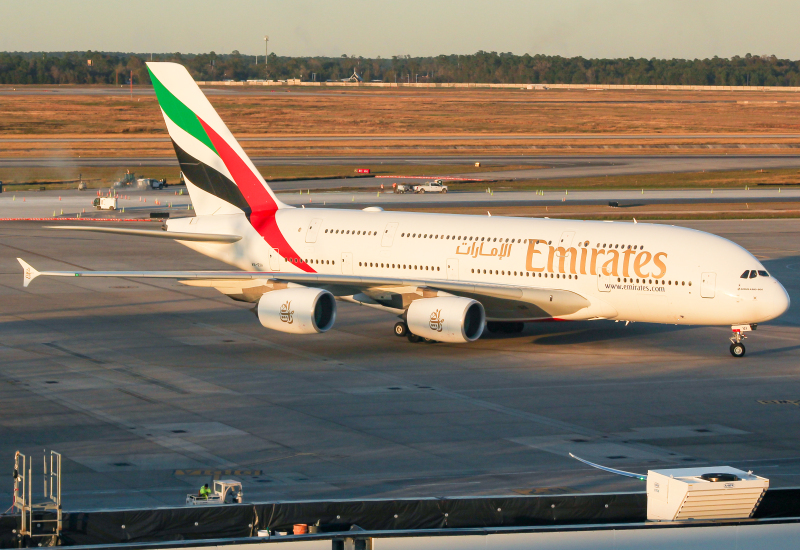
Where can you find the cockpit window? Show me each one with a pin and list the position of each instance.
(746, 274)
(753, 274)
(763, 273)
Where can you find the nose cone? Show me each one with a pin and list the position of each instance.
(778, 301)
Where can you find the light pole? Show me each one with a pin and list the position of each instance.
(266, 57)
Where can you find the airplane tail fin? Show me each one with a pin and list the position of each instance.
(28, 272)
(217, 171)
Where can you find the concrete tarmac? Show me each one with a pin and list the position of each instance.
(150, 389)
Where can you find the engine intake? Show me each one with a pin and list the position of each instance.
(297, 310)
(446, 319)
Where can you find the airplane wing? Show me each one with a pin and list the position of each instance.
(160, 234)
(390, 292)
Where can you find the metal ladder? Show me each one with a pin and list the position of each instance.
(23, 493)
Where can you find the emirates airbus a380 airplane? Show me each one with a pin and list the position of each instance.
(446, 276)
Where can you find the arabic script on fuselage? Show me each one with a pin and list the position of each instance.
(542, 257)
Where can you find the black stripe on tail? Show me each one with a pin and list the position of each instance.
(210, 180)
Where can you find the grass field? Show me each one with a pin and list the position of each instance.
(409, 113)
(96, 177)
(395, 112)
(103, 177)
(687, 180)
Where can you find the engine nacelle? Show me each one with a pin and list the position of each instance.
(446, 319)
(297, 310)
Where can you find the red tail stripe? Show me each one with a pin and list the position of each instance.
(267, 227)
(261, 202)
(251, 187)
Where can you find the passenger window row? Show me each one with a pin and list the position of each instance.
(399, 266)
(309, 261)
(351, 232)
(752, 274)
(635, 247)
(460, 238)
(521, 273)
(651, 281)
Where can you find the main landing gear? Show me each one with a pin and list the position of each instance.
(737, 347)
(401, 330)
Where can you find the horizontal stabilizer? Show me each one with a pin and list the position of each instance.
(28, 273)
(176, 235)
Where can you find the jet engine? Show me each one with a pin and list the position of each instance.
(446, 319)
(297, 310)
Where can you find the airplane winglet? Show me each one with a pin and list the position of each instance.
(640, 477)
(28, 272)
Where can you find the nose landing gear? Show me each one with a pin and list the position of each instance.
(737, 347)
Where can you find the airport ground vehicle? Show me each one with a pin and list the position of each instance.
(445, 276)
(402, 188)
(436, 186)
(225, 491)
(150, 183)
(105, 203)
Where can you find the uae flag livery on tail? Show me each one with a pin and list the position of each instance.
(220, 177)
(205, 147)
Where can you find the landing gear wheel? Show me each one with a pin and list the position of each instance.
(737, 346)
(429, 341)
(400, 329)
(413, 338)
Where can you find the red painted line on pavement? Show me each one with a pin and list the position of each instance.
(431, 178)
(75, 220)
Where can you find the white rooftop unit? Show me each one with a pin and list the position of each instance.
(717, 492)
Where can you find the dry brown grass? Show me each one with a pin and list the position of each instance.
(688, 180)
(105, 176)
(387, 112)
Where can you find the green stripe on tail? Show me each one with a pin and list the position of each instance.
(179, 113)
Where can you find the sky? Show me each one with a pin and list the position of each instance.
(371, 28)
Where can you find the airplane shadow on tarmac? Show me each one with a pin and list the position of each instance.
(560, 333)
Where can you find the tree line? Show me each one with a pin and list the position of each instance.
(492, 67)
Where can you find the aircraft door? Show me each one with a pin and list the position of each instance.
(452, 269)
(313, 229)
(603, 282)
(566, 239)
(274, 260)
(347, 263)
(708, 283)
(388, 234)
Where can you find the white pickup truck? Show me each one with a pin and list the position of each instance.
(435, 186)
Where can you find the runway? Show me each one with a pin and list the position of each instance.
(150, 389)
(554, 167)
(71, 202)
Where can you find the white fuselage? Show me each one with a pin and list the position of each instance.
(633, 272)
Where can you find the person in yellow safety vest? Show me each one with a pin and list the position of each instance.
(205, 491)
